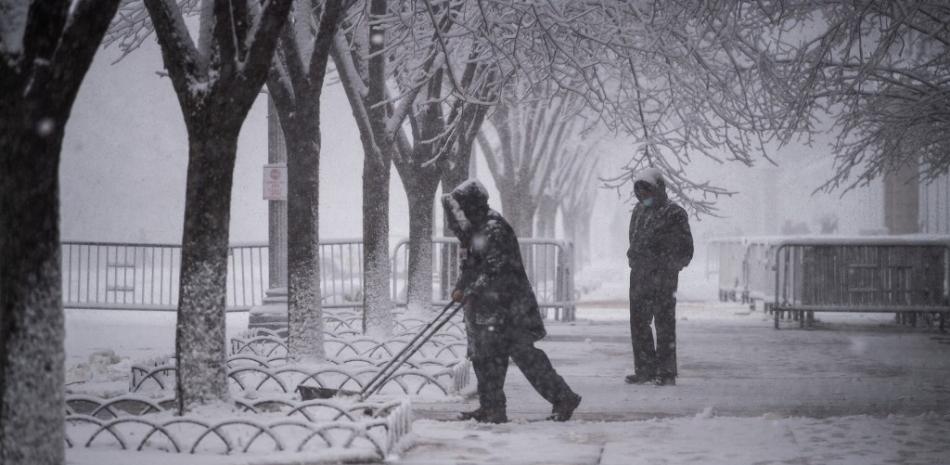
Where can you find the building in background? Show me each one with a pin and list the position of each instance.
(901, 201)
(934, 206)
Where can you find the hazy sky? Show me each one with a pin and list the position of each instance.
(125, 155)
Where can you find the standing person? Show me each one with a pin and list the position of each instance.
(502, 319)
(660, 246)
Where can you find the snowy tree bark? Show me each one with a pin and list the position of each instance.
(215, 91)
(377, 304)
(421, 192)
(296, 86)
(377, 307)
(200, 344)
(41, 68)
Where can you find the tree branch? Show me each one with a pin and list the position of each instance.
(185, 66)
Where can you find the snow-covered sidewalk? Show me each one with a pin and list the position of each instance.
(731, 360)
(704, 439)
(857, 389)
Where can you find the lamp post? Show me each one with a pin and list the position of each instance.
(272, 313)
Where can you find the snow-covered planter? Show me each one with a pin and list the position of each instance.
(328, 430)
(438, 369)
(426, 377)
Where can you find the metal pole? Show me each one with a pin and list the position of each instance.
(272, 313)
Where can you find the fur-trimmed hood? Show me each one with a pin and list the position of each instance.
(465, 207)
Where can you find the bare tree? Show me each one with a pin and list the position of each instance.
(295, 85)
(879, 70)
(876, 70)
(394, 61)
(216, 83)
(46, 48)
(572, 162)
(441, 142)
(443, 124)
(675, 75)
(530, 133)
(357, 54)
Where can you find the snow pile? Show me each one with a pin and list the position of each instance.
(104, 373)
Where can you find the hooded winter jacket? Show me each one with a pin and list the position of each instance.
(661, 243)
(493, 279)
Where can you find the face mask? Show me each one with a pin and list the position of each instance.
(647, 202)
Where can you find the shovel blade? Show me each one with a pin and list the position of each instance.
(312, 392)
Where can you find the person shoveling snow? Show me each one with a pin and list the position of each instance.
(502, 319)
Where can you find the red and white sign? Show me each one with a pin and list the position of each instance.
(275, 182)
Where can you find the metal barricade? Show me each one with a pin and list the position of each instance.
(548, 264)
(731, 253)
(745, 267)
(100, 275)
(758, 270)
(879, 274)
(341, 273)
(110, 275)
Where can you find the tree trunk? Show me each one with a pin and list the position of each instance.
(31, 305)
(377, 304)
(583, 240)
(547, 217)
(518, 209)
(421, 198)
(200, 344)
(304, 310)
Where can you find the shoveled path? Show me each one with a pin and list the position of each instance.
(733, 361)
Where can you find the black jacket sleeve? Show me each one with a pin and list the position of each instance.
(679, 239)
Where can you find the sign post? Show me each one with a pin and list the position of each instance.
(272, 313)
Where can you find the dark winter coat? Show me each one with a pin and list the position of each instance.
(493, 278)
(661, 243)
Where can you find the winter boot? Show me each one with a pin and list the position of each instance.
(665, 381)
(492, 416)
(563, 410)
(471, 415)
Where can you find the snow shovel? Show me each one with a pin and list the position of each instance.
(389, 369)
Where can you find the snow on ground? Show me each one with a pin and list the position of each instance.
(102, 345)
(857, 440)
(606, 282)
(856, 389)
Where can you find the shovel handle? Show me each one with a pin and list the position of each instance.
(409, 350)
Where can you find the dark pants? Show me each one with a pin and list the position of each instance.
(656, 303)
(490, 361)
